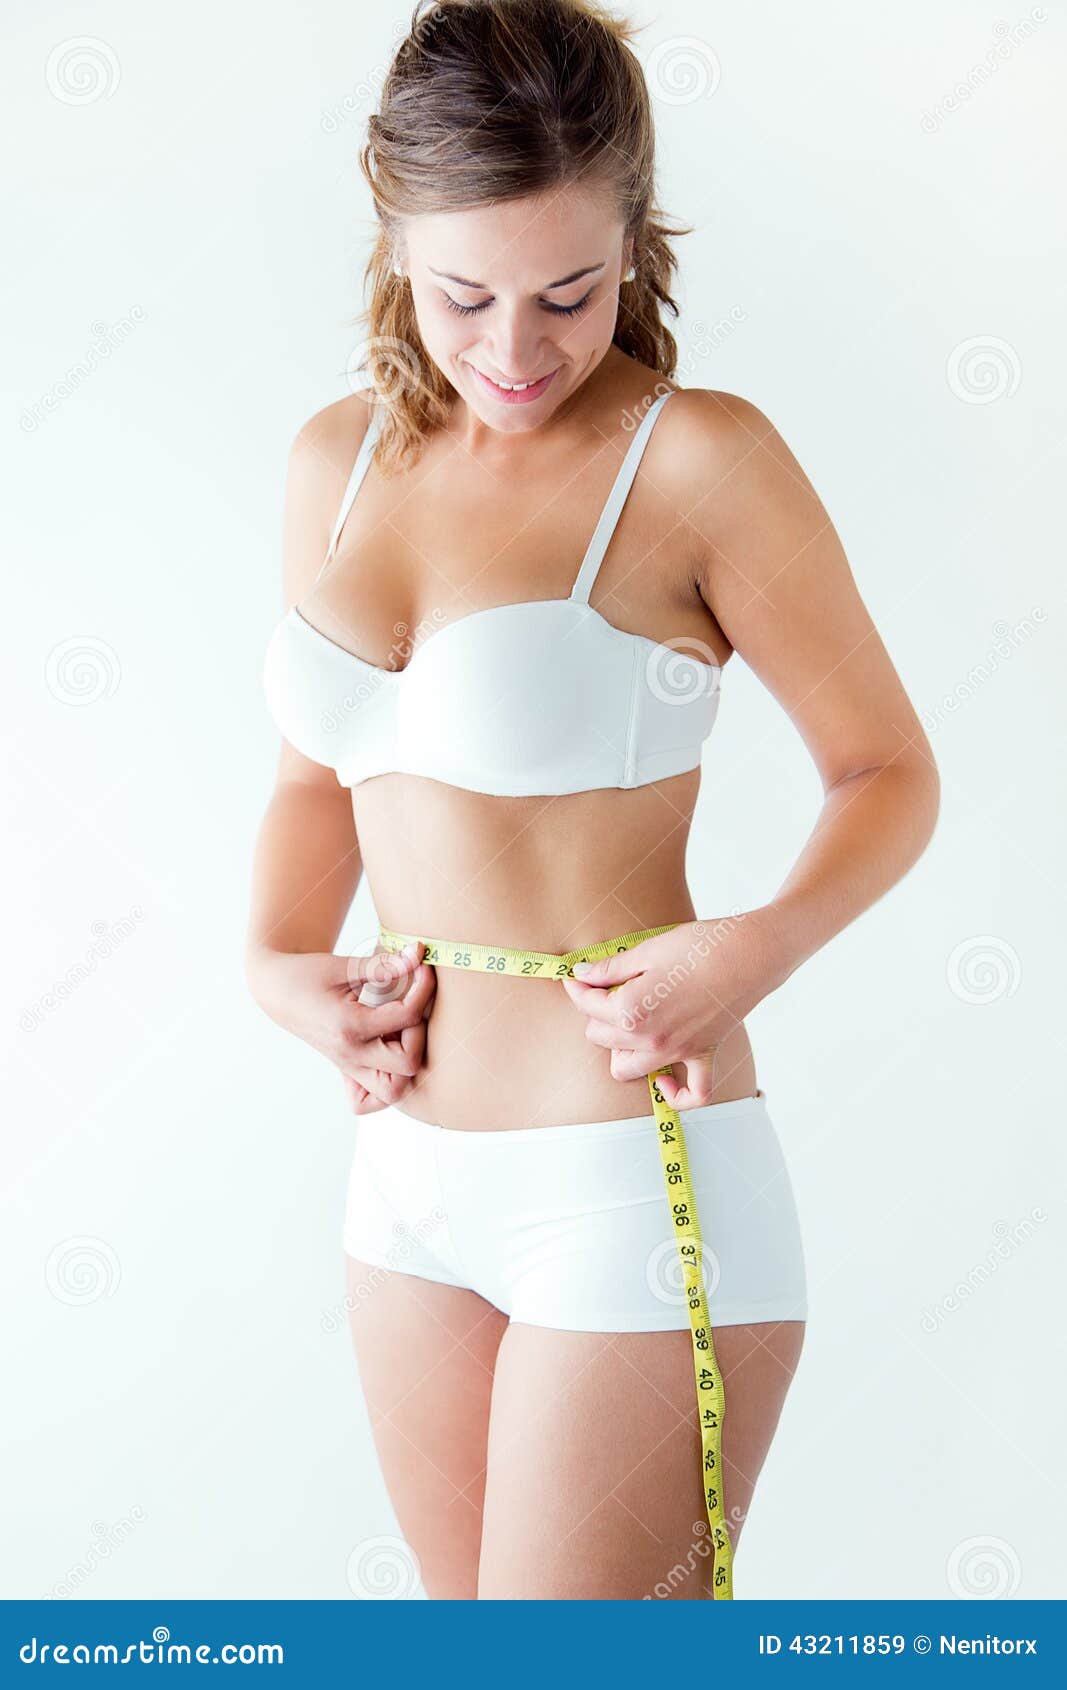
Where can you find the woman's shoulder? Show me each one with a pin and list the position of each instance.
(703, 420)
(321, 457)
(714, 439)
(326, 445)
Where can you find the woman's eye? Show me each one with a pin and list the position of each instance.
(556, 310)
(464, 310)
(570, 310)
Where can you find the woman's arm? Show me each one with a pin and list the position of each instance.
(774, 575)
(776, 578)
(305, 871)
(306, 867)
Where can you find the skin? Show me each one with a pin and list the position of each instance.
(722, 545)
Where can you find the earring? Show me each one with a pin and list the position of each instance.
(630, 274)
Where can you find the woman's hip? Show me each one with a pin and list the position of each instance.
(569, 1224)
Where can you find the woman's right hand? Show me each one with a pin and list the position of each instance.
(378, 1049)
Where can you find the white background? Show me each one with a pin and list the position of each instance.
(183, 1412)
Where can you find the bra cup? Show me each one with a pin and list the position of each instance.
(540, 698)
(331, 708)
(533, 692)
(676, 701)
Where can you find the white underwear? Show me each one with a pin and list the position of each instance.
(569, 1226)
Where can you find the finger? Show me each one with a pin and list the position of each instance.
(370, 1022)
(612, 970)
(633, 1064)
(383, 969)
(388, 1055)
(402, 1050)
(362, 1101)
(606, 1004)
(383, 1089)
(412, 992)
(696, 1092)
(419, 994)
(413, 1040)
(619, 1038)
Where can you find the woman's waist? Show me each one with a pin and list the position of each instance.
(534, 923)
(509, 1051)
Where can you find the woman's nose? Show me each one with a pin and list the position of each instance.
(515, 347)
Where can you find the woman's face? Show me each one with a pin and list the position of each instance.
(522, 292)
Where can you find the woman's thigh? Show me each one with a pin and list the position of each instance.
(594, 1486)
(426, 1354)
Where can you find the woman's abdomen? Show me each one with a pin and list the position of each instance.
(545, 874)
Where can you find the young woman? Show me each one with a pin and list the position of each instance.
(494, 695)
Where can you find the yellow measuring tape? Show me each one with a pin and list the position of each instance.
(711, 1394)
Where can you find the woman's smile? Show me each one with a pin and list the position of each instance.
(514, 393)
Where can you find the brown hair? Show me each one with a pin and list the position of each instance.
(489, 101)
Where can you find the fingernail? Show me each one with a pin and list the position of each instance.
(581, 969)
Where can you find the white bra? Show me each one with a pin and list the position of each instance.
(540, 698)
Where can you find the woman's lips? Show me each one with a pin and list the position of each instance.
(507, 396)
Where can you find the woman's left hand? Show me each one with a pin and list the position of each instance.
(677, 996)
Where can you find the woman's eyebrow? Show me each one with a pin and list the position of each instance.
(564, 281)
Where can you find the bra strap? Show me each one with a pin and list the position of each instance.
(355, 480)
(609, 516)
